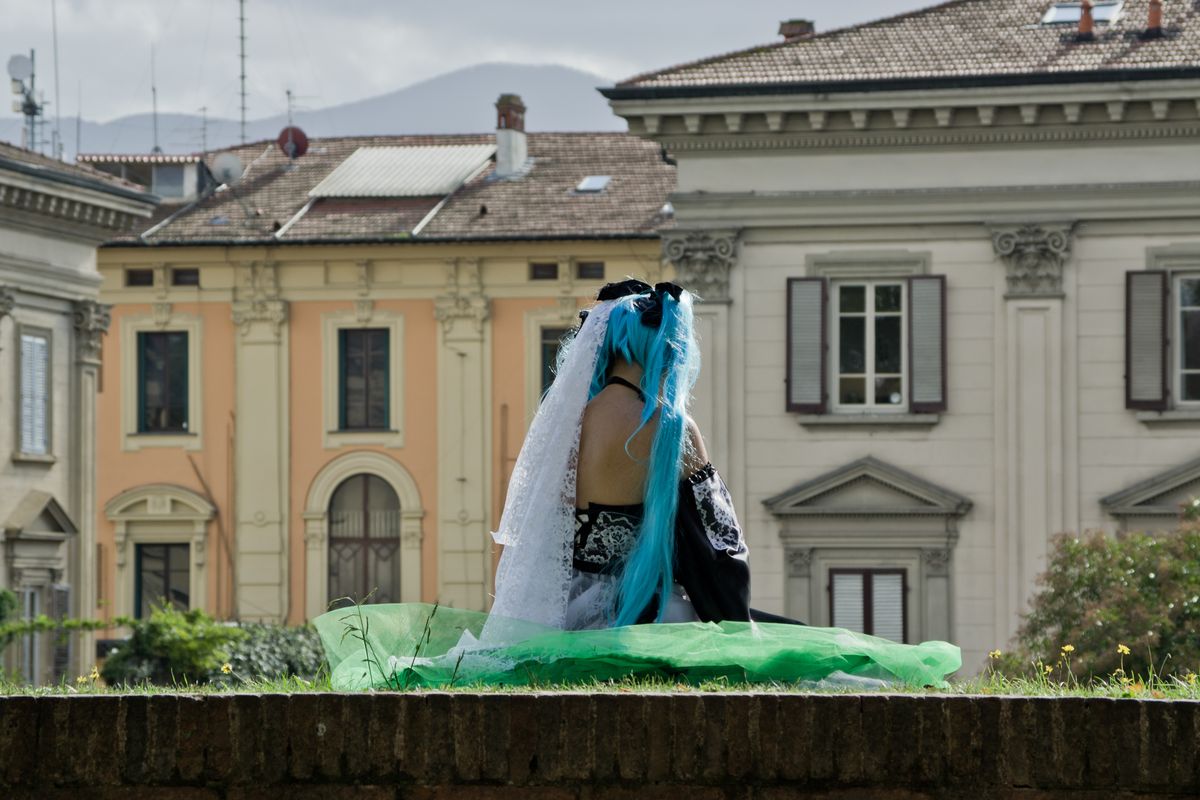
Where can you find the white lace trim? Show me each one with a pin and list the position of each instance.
(716, 512)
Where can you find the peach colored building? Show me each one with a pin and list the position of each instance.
(318, 377)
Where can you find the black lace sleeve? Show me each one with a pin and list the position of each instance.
(711, 557)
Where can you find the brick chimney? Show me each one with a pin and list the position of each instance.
(1087, 23)
(795, 29)
(511, 148)
(1154, 21)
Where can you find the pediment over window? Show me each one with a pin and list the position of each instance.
(39, 513)
(1158, 496)
(158, 501)
(868, 488)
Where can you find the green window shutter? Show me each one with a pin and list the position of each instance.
(1146, 315)
(927, 343)
(806, 378)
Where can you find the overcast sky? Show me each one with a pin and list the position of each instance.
(333, 52)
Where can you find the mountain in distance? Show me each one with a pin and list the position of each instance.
(463, 101)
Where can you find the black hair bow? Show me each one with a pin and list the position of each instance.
(650, 306)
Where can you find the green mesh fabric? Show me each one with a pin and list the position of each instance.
(412, 645)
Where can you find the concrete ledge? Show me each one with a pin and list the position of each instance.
(577, 746)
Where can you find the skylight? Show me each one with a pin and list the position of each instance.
(593, 184)
(1069, 13)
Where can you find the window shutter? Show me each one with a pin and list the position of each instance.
(61, 609)
(35, 357)
(806, 345)
(887, 606)
(847, 591)
(927, 343)
(1146, 340)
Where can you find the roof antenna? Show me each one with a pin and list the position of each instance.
(203, 130)
(57, 146)
(154, 102)
(242, 39)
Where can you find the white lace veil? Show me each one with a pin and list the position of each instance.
(537, 527)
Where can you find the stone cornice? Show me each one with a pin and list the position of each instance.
(87, 209)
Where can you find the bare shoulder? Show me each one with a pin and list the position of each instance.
(696, 454)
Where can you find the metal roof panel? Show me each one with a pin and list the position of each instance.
(418, 171)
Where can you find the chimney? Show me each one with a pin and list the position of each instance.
(1154, 23)
(795, 29)
(1086, 23)
(511, 150)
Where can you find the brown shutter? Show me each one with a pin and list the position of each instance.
(1146, 315)
(927, 343)
(806, 345)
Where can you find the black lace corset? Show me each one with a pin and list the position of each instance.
(604, 535)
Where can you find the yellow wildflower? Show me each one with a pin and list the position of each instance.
(1048, 668)
(994, 654)
(227, 668)
(1068, 648)
(1191, 679)
(95, 674)
(81, 680)
(1122, 649)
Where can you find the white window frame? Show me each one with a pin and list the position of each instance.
(130, 327)
(1175, 348)
(834, 365)
(357, 320)
(19, 451)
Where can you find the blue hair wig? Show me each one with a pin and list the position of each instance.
(670, 360)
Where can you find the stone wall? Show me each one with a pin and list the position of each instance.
(567, 746)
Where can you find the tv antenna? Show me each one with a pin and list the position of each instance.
(22, 70)
(58, 141)
(154, 102)
(242, 39)
(203, 129)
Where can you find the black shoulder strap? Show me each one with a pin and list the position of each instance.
(622, 382)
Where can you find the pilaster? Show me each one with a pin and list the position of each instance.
(261, 445)
(464, 438)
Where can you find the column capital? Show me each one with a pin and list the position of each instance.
(1034, 254)
(91, 323)
(799, 561)
(8, 301)
(702, 260)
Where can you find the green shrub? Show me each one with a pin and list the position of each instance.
(172, 647)
(8, 613)
(275, 651)
(1100, 593)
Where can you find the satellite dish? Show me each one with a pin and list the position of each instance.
(20, 67)
(227, 169)
(292, 141)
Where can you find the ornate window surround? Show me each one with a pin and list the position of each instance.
(159, 513)
(904, 522)
(316, 524)
(51, 365)
(162, 319)
(363, 316)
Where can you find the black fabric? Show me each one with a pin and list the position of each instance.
(619, 381)
(604, 536)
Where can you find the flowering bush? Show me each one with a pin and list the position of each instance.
(171, 647)
(1128, 604)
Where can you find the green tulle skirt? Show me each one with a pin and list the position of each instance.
(414, 645)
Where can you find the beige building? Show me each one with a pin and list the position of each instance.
(952, 269)
(52, 218)
(319, 375)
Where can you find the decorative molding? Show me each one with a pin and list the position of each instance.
(936, 560)
(1152, 497)
(91, 323)
(162, 314)
(21, 198)
(702, 260)
(906, 494)
(1034, 255)
(363, 310)
(258, 298)
(8, 301)
(465, 298)
(799, 560)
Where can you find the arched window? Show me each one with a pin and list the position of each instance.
(364, 540)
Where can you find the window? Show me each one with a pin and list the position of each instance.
(168, 180)
(363, 359)
(162, 381)
(364, 541)
(551, 341)
(139, 277)
(1070, 13)
(869, 601)
(869, 342)
(545, 271)
(1187, 337)
(162, 574)
(590, 270)
(593, 184)
(866, 346)
(189, 276)
(34, 409)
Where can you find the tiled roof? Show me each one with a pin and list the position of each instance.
(954, 40)
(540, 202)
(32, 163)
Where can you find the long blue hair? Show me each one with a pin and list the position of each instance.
(670, 360)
